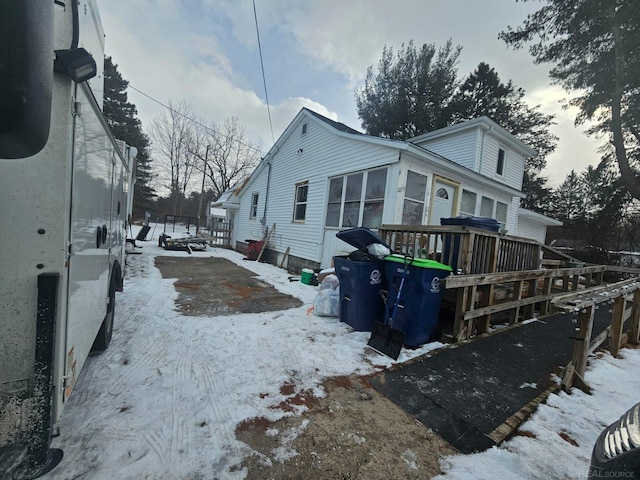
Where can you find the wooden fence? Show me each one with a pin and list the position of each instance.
(478, 298)
(624, 327)
(467, 250)
(220, 234)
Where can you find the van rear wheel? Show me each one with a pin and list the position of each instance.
(103, 338)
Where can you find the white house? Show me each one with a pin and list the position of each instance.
(322, 176)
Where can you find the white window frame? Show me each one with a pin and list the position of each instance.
(421, 202)
(362, 201)
(253, 209)
(493, 207)
(475, 204)
(503, 223)
(297, 202)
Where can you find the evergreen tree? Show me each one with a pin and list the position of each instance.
(411, 91)
(569, 199)
(121, 118)
(594, 46)
(604, 205)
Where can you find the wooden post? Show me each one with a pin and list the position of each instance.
(465, 256)
(575, 282)
(494, 255)
(634, 327)
(546, 290)
(532, 286)
(617, 316)
(459, 327)
(266, 242)
(517, 294)
(587, 280)
(583, 339)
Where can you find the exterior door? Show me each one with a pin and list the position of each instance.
(442, 203)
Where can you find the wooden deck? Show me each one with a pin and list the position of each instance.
(467, 250)
(498, 278)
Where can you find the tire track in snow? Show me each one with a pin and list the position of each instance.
(181, 406)
(215, 392)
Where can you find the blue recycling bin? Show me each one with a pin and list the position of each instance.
(451, 246)
(420, 299)
(361, 278)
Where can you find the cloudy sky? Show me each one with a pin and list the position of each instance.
(315, 54)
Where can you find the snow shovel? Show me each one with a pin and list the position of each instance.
(384, 338)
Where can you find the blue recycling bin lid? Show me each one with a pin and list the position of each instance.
(484, 223)
(418, 262)
(360, 237)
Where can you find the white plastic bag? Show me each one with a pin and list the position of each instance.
(327, 303)
(330, 281)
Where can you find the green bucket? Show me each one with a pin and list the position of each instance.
(306, 276)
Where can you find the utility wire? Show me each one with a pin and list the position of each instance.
(264, 81)
(195, 121)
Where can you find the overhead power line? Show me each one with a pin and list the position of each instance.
(264, 81)
(194, 120)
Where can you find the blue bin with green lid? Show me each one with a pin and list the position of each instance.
(361, 276)
(422, 292)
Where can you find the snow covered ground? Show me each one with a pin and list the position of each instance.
(164, 400)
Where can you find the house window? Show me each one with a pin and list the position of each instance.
(352, 200)
(468, 203)
(501, 159)
(357, 199)
(300, 206)
(304, 128)
(335, 202)
(413, 208)
(501, 214)
(253, 212)
(486, 207)
(374, 198)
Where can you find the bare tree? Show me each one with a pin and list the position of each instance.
(227, 156)
(174, 135)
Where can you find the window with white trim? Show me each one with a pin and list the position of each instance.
(486, 207)
(502, 155)
(253, 211)
(374, 198)
(468, 203)
(357, 199)
(300, 204)
(414, 193)
(501, 214)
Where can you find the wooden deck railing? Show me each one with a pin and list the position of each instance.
(467, 250)
(515, 294)
(624, 327)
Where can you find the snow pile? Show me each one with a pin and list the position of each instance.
(165, 399)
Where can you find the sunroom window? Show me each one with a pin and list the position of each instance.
(413, 207)
(357, 199)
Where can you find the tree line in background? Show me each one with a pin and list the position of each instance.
(193, 163)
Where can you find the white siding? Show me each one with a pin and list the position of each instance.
(513, 165)
(529, 228)
(312, 157)
(458, 147)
